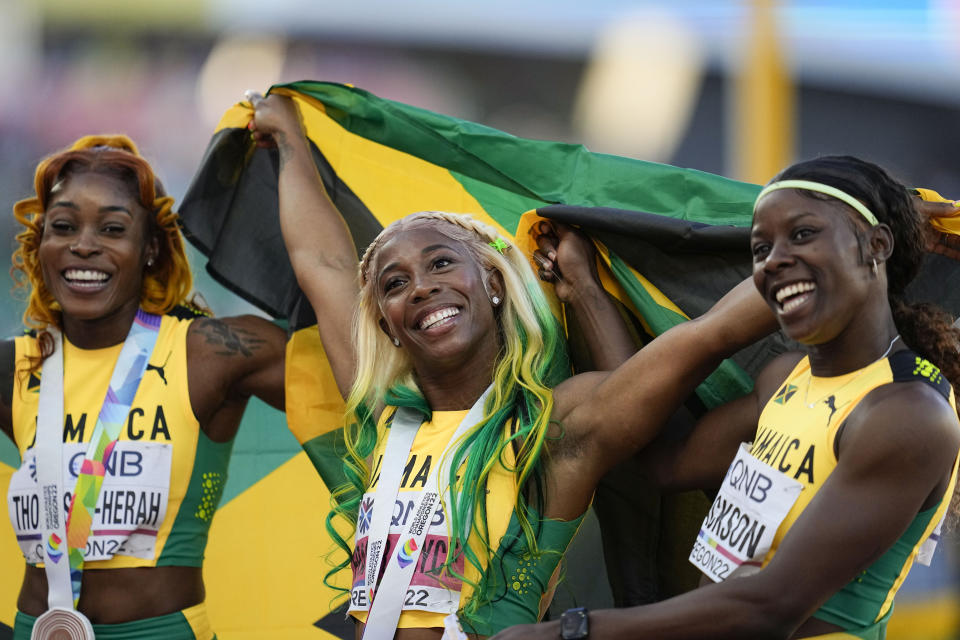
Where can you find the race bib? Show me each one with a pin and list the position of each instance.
(131, 507)
(743, 520)
(428, 590)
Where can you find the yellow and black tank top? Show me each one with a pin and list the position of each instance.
(796, 434)
(514, 584)
(161, 416)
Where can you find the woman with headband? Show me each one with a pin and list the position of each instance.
(853, 461)
(458, 422)
(123, 402)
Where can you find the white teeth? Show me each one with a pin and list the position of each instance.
(85, 275)
(437, 316)
(794, 289)
(793, 303)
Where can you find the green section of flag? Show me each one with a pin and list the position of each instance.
(8, 452)
(505, 207)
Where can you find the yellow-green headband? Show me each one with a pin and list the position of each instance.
(819, 187)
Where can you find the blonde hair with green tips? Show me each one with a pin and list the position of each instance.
(532, 359)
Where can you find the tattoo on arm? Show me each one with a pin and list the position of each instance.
(228, 340)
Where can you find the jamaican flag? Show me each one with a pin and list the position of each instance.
(672, 241)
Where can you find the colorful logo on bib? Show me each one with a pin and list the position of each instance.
(783, 396)
(405, 555)
(366, 513)
(53, 548)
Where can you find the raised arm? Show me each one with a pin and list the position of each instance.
(609, 416)
(893, 462)
(318, 242)
(567, 258)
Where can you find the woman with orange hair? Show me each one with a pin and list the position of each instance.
(123, 401)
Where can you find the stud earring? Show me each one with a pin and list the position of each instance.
(396, 342)
(876, 272)
(495, 300)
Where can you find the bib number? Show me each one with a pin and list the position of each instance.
(739, 528)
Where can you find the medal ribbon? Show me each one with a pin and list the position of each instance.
(127, 373)
(388, 596)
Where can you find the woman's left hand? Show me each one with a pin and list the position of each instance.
(567, 258)
(937, 241)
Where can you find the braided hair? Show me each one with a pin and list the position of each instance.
(924, 327)
(532, 359)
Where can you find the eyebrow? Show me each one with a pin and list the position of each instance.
(434, 247)
(423, 252)
(792, 219)
(67, 204)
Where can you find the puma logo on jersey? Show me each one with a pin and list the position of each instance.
(831, 402)
(160, 370)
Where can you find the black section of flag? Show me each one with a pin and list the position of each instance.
(230, 214)
(337, 624)
(692, 263)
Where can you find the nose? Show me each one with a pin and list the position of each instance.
(423, 287)
(85, 243)
(778, 257)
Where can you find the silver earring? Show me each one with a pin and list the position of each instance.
(876, 272)
(149, 262)
(495, 300)
(396, 342)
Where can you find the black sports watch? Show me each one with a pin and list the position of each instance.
(574, 624)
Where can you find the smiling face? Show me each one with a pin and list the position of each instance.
(94, 248)
(435, 298)
(810, 267)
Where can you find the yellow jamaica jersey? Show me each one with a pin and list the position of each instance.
(796, 434)
(165, 477)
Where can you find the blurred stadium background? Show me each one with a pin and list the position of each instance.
(736, 88)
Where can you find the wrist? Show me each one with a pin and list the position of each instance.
(575, 624)
(586, 293)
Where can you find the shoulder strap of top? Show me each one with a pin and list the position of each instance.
(907, 366)
(187, 312)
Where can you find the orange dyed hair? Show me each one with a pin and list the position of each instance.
(165, 284)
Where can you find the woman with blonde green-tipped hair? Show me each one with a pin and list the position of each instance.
(471, 460)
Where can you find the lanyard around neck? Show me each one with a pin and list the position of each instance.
(64, 574)
(387, 597)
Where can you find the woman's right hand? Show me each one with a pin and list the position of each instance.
(275, 118)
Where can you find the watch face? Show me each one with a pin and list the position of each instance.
(573, 624)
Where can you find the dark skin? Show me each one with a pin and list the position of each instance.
(605, 417)
(893, 461)
(937, 241)
(95, 223)
(578, 286)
